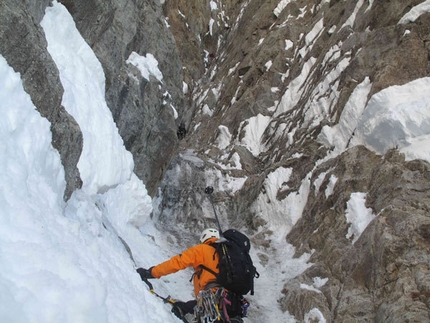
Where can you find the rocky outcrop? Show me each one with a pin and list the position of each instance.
(382, 275)
(292, 69)
(23, 44)
(262, 56)
(200, 29)
(147, 112)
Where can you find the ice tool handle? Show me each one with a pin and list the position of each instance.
(167, 299)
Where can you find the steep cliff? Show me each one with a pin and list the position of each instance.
(269, 92)
(281, 75)
(147, 112)
(23, 44)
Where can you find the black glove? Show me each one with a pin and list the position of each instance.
(177, 310)
(182, 308)
(145, 273)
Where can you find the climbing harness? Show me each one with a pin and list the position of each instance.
(211, 305)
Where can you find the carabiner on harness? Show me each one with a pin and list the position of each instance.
(207, 309)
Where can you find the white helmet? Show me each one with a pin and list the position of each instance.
(209, 233)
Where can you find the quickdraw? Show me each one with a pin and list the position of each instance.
(208, 305)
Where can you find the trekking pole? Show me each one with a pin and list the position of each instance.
(167, 299)
(209, 190)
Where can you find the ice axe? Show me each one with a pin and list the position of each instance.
(167, 299)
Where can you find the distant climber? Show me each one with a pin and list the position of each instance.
(181, 131)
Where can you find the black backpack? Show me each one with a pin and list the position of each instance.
(236, 270)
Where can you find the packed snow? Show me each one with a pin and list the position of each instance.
(75, 261)
(147, 65)
(254, 129)
(330, 187)
(224, 137)
(79, 67)
(416, 12)
(339, 135)
(351, 20)
(311, 37)
(314, 315)
(397, 117)
(280, 7)
(358, 215)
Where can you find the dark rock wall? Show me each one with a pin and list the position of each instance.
(23, 44)
(383, 277)
(141, 109)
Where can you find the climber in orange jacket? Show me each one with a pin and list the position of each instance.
(201, 254)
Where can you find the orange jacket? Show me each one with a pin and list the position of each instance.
(201, 254)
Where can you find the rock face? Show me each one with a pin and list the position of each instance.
(289, 67)
(143, 110)
(280, 66)
(23, 44)
(382, 276)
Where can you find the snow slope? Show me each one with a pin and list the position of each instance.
(63, 262)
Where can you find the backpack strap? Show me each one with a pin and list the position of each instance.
(215, 246)
(208, 269)
(255, 274)
(199, 272)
